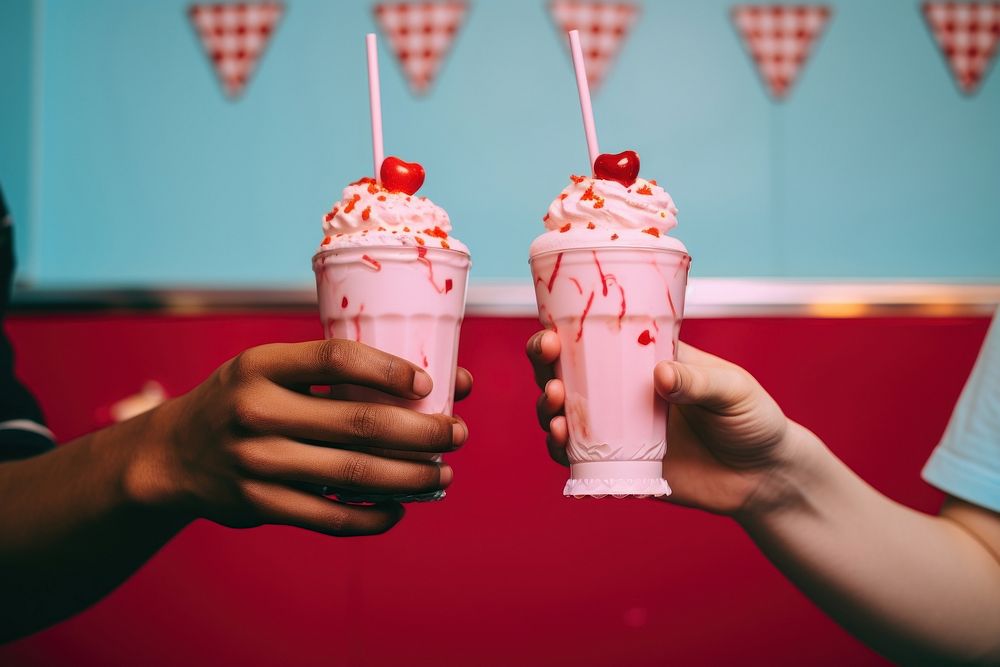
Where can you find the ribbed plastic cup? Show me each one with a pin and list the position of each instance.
(407, 301)
(617, 312)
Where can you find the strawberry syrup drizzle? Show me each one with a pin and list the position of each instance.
(422, 258)
(604, 279)
(621, 313)
(357, 323)
(586, 309)
(579, 287)
(552, 322)
(609, 279)
(684, 264)
(555, 272)
(666, 286)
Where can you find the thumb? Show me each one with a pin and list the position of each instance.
(714, 387)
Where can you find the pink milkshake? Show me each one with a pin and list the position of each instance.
(390, 275)
(610, 282)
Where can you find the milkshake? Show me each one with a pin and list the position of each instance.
(390, 275)
(610, 281)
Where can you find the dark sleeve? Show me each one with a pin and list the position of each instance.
(22, 427)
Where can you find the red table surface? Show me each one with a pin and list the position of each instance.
(505, 570)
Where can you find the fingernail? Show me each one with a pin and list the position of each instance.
(447, 474)
(422, 383)
(458, 433)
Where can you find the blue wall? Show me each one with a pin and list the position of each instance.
(18, 26)
(875, 167)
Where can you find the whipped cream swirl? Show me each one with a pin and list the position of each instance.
(598, 213)
(368, 214)
(609, 204)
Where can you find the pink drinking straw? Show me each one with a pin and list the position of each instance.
(375, 104)
(584, 89)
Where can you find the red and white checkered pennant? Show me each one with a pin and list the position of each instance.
(421, 35)
(603, 28)
(234, 37)
(968, 34)
(779, 39)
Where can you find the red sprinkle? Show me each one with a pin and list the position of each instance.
(652, 231)
(343, 302)
(448, 285)
(406, 229)
(444, 244)
(614, 237)
(588, 194)
(591, 225)
(599, 203)
(373, 188)
(563, 195)
(437, 231)
(645, 338)
(363, 180)
(326, 239)
(653, 181)
(644, 190)
(365, 214)
(374, 263)
(350, 205)
(545, 217)
(328, 217)
(578, 179)
(381, 197)
(565, 228)
(420, 241)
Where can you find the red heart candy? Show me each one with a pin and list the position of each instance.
(400, 176)
(622, 167)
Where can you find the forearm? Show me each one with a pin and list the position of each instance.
(918, 588)
(69, 530)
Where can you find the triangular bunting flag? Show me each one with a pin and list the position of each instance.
(421, 34)
(967, 34)
(779, 39)
(234, 37)
(603, 28)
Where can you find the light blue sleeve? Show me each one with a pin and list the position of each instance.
(966, 464)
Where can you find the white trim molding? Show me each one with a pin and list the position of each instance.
(706, 297)
(766, 297)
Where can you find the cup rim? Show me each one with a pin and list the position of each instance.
(363, 249)
(673, 251)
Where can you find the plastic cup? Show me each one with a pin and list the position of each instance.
(617, 312)
(404, 300)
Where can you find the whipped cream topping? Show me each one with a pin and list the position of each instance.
(593, 212)
(368, 214)
(642, 205)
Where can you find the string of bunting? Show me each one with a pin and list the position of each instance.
(779, 39)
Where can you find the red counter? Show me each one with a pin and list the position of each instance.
(505, 571)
